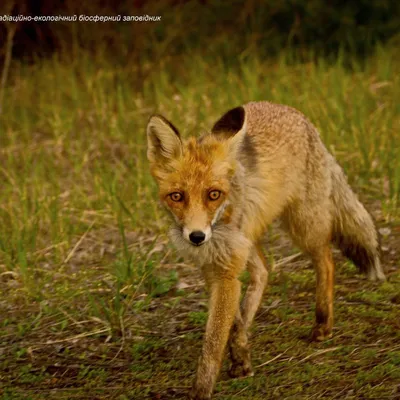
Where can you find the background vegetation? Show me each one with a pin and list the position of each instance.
(94, 303)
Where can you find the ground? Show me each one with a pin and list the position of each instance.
(96, 304)
(60, 351)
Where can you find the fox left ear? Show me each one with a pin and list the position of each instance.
(232, 127)
(163, 140)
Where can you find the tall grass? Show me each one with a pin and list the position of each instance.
(74, 180)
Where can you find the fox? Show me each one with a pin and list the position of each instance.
(259, 162)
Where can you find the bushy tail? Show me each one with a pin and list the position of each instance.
(354, 230)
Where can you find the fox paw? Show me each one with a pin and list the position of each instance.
(321, 332)
(194, 395)
(241, 370)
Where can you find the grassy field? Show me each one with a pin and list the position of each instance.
(95, 303)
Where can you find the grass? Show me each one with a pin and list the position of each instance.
(96, 304)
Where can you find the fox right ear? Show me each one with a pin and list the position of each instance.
(163, 139)
(230, 123)
(232, 127)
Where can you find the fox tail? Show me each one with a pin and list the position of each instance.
(354, 231)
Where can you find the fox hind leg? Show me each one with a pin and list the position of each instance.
(324, 267)
(310, 226)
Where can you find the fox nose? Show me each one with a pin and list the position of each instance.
(197, 237)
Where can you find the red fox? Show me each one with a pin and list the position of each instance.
(261, 161)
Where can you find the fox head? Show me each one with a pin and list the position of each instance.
(196, 178)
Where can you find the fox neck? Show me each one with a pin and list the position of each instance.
(237, 195)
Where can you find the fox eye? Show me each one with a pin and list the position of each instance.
(176, 196)
(214, 195)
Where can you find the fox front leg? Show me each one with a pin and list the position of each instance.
(223, 305)
(238, 341)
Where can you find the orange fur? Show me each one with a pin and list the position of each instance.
(259, 162)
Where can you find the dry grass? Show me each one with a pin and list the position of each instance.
(96, 304)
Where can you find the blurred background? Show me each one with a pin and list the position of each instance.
(229, 29)
(88, 280)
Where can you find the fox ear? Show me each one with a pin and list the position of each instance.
(232, 127)
(163, 139)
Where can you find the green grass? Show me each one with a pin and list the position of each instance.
(96, 304)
